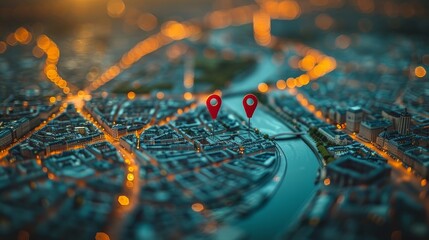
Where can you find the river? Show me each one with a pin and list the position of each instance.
(296, 187)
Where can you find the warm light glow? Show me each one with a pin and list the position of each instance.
(52, 99)
(365, 6)
(174, 30)
(188, 81)
(22, 35)
(66, 90)
(43, 42)
(101, 236)
(324, 21)
(262, 28)
(131, 95)
(197, 207)
(423, 182)
(81, 93)
(304, 79)
(130, 177)
(307, 63)
(327, 181)
(147, 21)
(263, 87)
(115, 8)
(160, 95)
(123, 200)
(281, 84)
(286, 9)
(187, 96)
(291, 83)
(11, 40)
(420, 71)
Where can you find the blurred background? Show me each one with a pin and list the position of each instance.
(369, 53)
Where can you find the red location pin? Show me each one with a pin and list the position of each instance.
(213, 104)
(250, 102)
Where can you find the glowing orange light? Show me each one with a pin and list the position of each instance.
(171, 177)
(324, 21)
(101, 236)
(43, 42)
(160, 95)
(22, 35)
(51, 176)
(327, 181)
(262, 87)
(307, 63)
(131, 95)
(130, 177)
(304, 79)
(262, 28)
(281, 84)
(147, 21)
(289, 10)
(115, 8)
(290, 82)
(52, 99)
(123, 200)
(197, 207)
(366, 6)
(66, 90)
(420, 71)
(187, 96)
(11, 40)
(423, 182)
(174, 30)
(81, 93)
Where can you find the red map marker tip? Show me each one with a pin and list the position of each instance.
(213, 104)
(250, 102)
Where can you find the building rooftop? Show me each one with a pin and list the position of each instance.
(355, 109)
(420, 154)
(374, 124)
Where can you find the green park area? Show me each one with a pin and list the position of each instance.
(216, 73)
(219, 72)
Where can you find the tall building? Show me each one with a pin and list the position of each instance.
(392, 116)
(369, 130)
(404, 123)
(354, 118)
(340, 116)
